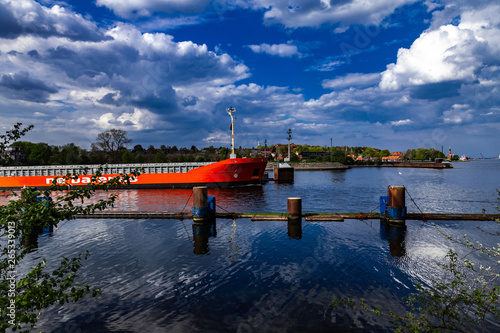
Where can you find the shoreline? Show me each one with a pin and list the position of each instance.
(323, 166)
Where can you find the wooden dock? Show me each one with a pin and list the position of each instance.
(309, 217)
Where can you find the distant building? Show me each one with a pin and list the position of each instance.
(394, 157)
(14, 153)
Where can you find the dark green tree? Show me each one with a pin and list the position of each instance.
(199, 158)
(70, 154)
(40, 154)
(223, 152)
(140, 158)
(371, 152)
(384, 153)
(422, 154)
(138, 150)
(127, 157)
(160, 157)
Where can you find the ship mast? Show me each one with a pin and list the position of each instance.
(231, 110)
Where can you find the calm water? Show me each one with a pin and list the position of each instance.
(243, 276)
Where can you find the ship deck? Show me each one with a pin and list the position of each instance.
(56, 170)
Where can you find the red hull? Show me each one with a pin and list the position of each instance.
(227, 173)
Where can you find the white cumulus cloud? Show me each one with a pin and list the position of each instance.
(458, 114)
(281, 50)
(401, 122)
(449, 52)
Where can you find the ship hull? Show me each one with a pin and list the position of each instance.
(228, 173)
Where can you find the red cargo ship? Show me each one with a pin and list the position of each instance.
(228, 173)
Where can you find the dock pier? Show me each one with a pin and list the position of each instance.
(309, 217)
(392, 209)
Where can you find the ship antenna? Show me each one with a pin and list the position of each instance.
(232, 110)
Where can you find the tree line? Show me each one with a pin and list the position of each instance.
(111, 147)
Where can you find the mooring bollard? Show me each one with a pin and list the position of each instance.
(294, 214)
(200, 204)
(397, 206)
(294, 209)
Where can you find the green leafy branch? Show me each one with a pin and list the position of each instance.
(23, 295)
(461, 301)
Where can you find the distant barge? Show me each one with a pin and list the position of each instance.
(430, 165)
(231, 172)
(434, 165)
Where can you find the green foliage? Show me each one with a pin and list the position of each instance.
(423, 154)
(40, 154)
(140, 158)
(370, 152)
(459, 304)
(23, 295)
(384, 153)
(127, 157)
(160, 157)
(294, 158)
(460, 301)
(20, 222)
(338, 155)
(11, 136)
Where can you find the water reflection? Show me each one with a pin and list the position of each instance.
(201, 233)
(233, 247)
(395, 234)
(294, 228)
(229, 199)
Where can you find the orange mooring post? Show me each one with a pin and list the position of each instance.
(397, 196)
(294, 209)
(200, 204)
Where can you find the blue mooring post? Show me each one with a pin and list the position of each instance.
(211, 207)
(384, 200)
(203, 205)
(396, 208)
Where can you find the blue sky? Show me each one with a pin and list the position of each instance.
(391, 74)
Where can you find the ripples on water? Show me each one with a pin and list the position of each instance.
(242, 276)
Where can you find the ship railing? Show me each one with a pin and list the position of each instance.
(58, 170)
